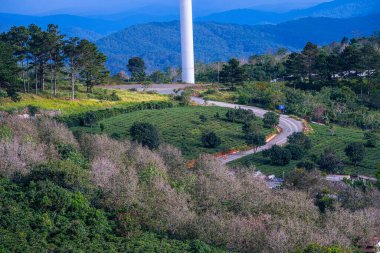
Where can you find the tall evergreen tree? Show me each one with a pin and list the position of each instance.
(232, 73)
(136, 66)
(72, 53)
(310, 54)
(35, 51)
(55, 40)
(18, 38)
(8, 66)
(91, 63)
(294, 68)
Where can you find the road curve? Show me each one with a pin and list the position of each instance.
(287, 124)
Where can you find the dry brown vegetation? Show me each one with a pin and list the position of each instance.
(155, 190)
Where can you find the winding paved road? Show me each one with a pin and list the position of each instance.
(287, 124)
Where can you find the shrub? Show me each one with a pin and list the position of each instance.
(356, 152)
(210, 91)
(240, 115)
(211, 140)
(203, 118)
(102, 127)
(329, 161)
(6, 133)
(271, 119)
(145, 134)
(70, 153)
(371, 138)
(300, 139)
(90, 119)
(115, 97)
(116, 136)
(14, 95)
(255, 139)
(297, 151)
(278, 155)
(33, 110)
(325, 201)
(3, 93)
(184, 98)
(64, 174)
(251, 127)
(307, 165)
(315, 248)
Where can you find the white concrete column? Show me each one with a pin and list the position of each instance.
(187, 41)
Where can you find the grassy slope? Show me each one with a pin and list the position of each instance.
(82, 104)
(322, 139)
(182, 127)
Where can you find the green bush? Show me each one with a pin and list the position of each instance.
(203, 118)
(240, 115)
(378, 179)
(355, 151)
(71, 154)
(297, 151)
(307, 165)
(300, 139)
(146, 134)
(315, 248)
(271, 119)
(251, 127)
(255, 139)
(6, 133)
(278, 155)
(102, 127)
(329, 161)
(3, 93)
(90, 119)
(33, 110)
(211, 140)
(371, 138)
(64, 174)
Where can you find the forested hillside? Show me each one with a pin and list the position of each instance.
(90, 193)
(159, 43)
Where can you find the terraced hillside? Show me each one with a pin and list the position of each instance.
(182, 127)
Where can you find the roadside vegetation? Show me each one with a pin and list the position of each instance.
(338, 83)
(323, 138)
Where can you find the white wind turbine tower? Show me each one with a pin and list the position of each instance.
(187, 41)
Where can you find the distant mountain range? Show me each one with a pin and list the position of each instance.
(159, 43)
(84, 27)
(96, 27)
(334, 9)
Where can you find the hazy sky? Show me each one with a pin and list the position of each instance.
(96, 7)
(92, 7)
